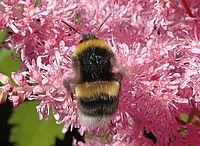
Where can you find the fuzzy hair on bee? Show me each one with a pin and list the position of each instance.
(96, 86)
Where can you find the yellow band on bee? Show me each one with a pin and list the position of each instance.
(92, 89)
(92, 42)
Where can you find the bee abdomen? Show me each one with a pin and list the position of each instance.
(100, 105)
(98, 98)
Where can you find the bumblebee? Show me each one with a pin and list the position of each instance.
(96, 86)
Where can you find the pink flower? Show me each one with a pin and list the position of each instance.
(156, 44)
(4, 79)
(17, 98)
(15, 94)
(6, 88)
(18, 79)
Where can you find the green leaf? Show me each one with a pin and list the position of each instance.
(7, 63)
(37, 3)
(28, 130)
(78, 17)
(185, 117)
(3, 34)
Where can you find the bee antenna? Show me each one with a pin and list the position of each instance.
(102, 23)
(71, 27)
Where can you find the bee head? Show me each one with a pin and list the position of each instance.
(88, 36)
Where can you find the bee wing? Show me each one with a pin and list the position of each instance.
(70, 83)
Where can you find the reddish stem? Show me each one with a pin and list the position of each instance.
(185, 4)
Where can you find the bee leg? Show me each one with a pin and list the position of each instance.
(118, 76)
(67, 86)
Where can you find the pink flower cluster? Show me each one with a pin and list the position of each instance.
(157, 46)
